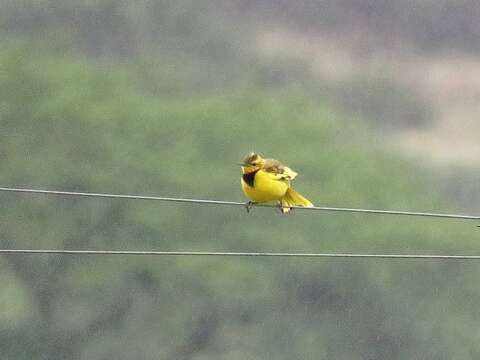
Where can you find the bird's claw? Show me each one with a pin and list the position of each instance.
(282, 208)
(248, 206)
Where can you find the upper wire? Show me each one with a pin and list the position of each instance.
(236, 203)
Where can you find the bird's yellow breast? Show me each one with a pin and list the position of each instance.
(266, 187)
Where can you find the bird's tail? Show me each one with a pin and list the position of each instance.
(293, 198)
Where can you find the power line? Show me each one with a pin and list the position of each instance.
(235, 203)
(238, 254)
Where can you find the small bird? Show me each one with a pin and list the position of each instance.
(266, 180)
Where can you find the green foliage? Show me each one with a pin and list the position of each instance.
(82, 125)
(383, 102)
(205, 46)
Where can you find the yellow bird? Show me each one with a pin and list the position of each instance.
(266, 180)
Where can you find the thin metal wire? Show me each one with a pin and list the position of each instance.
(239, 254)
(235, 203)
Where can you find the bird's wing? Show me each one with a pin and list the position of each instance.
(289, 173)
(276, 167)
(274, 176)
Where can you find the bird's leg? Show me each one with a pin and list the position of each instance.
(282, 208)
(249, 205)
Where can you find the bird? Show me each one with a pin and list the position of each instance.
(267, 180)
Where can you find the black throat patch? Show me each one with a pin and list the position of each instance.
(250, 178)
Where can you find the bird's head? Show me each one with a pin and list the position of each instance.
(252, 162)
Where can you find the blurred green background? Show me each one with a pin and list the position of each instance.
(375, 104)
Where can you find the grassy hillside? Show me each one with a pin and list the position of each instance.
(75, 124)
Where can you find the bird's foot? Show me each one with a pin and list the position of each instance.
(249, 205)
(283, 209)
(280, 207)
